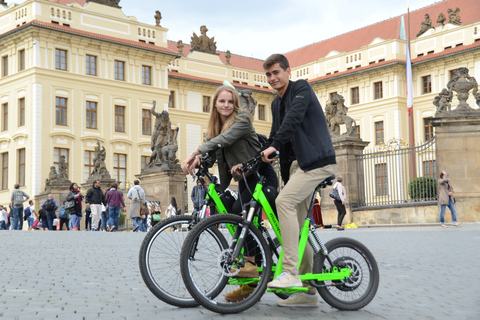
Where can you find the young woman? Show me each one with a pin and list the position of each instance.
(75, 212)
(172, 210)
(114, 199)
(42, 218)
(445, 199)
(232, 127)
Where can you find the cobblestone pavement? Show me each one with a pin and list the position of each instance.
(426, 273)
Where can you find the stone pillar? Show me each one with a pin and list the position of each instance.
(163, 186)
(458, 152)
(346, 148)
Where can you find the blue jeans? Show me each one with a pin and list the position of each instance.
(3, 225)
(104, 219)
(17, 219)
(113, 213)
(138, 222)
(30, 221)
(50, 216)
(451, 206)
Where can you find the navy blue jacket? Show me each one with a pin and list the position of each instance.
(299, 129)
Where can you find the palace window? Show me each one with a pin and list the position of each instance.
(206, 104)
(355, 95)
(119, 167)
(146, 122)
(57, 153)
(5, 66)
(379, 133)
(91, 115)
(119, 119)
(21, 60)
(60, 59)
(381, 179)
(171, 100)
(5, 171)
(146, 75)
(21, 112)
(427, 84)
(378, 90)
(5, 117)
(61, 111)
(428, 128)
(430, 168)
(261, 112)
(21, 167)
(91, 65)
(143, 162)
(89, 165)
(357, 131)
(119, 70)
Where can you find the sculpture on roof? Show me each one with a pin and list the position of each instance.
(336, 113)
(158, 17)
(425, 25)
(164, 143)
(180, 46)
(3, 2)
(442, 101)
(247, 102)
(228, 55)
(203, 43)
(454, 17)
(462, 83)
(111, 3)
(441, 19)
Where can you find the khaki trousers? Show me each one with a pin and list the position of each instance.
(292, 208)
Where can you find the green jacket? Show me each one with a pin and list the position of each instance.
(239, 143)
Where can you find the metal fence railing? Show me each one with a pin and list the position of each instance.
(396, 174)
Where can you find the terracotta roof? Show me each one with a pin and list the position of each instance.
(446, 52)
(235, 60)
(97, 36)
(183, 76)
(388, 29)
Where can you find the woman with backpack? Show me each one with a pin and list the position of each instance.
(115, 203)
(75, 212)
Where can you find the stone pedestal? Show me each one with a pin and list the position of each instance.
(59, 190)
(163, 186)
(346, 148)
(458, 152)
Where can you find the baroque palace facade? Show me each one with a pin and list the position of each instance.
(74, 71)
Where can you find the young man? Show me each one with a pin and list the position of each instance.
(16, 201)
(307, 157)
(94, 200)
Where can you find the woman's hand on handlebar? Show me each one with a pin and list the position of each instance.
(266, 153)
(189, 164)
(236, 167)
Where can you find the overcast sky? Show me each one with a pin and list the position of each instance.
(259, 28)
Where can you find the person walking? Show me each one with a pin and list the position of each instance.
(172, 211)
(94, 200)
(446, 199)
(307, 157)
(42, 218)
(30, 214)
(340, 204)
(50, 205)
(64, 217)
(198, 194)
(115, 203)
(3, 218)
(76, 212)
(137, 195)
(16, 201)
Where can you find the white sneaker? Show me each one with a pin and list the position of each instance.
(300, 299)
(285, 280)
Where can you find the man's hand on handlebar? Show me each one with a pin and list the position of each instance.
(266, 154)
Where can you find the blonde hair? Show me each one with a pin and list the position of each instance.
(215, 125)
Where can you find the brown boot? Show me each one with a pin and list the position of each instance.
(249, 271)
(239, 294)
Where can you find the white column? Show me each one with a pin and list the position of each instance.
(35, 162)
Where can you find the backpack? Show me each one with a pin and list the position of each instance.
(49, 205)
(62, 213)
(27, 212)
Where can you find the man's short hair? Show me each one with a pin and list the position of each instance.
(276, 58)
(16, 186)
(136, 182)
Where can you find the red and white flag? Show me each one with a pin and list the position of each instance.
(409, 81)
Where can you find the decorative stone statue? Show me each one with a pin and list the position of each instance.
(247, 102)
(164, 144)
(442, 101)
(112, 3)
(3, 2)
(462, 83)
(441, 19)
(454, 17)
(158, 17)
(228, 56)
(425, 25)
(203, 43)
(52, 176)
(336, 114)
(180, 46)
(100, 169)
(62, 169)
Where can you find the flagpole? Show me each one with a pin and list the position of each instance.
(411, 131)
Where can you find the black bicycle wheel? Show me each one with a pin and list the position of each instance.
(356, 291)
(159, 261)
(206, 265)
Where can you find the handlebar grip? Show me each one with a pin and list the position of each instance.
(273, 154)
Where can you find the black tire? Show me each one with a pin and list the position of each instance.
(356, 291)
(203, 273)
(159, 261)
